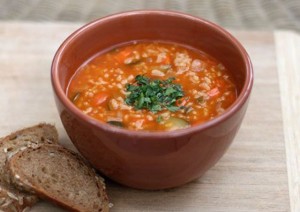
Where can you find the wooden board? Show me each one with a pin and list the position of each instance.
(252, 176)
(288, 52)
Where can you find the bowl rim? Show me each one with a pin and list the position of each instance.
(230, 111)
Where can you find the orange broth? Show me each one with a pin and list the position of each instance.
(98, 87)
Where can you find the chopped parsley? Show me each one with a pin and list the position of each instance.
(154, 95)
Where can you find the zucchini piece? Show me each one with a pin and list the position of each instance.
(174, 123)
(116, 123)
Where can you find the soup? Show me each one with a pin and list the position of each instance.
(152, 86)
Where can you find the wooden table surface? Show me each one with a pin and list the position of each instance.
(260, 171)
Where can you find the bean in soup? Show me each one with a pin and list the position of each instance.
(152, 86)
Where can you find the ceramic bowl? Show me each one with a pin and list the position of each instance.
(151, 160)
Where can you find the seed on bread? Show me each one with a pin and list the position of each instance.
(59, 175)
(12, 200)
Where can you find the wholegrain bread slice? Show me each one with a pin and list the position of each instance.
(59, 175)
(10, 198)
(31, 136)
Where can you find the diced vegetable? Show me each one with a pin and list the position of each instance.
(213, 92)
(99, 99)
(200, 99)
(196, 65)
(159, 119)
(174, 123)
(132, 61)
(75, 97)
(113, 104)
(116, 123)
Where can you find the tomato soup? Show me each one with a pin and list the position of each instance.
(152, 86)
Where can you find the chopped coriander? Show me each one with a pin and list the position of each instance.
(154, 95)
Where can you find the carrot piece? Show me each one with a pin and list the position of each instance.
(213, 92)
(99, 99)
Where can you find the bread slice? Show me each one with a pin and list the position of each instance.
(10, 198)
(59, 175)
(32, 136)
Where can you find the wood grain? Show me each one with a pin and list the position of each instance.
(288, 55)
(252, 176)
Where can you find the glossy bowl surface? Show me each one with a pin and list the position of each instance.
(151, 160)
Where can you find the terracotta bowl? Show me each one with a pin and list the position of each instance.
(151, 160)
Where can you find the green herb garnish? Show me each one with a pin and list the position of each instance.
(153, 95)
